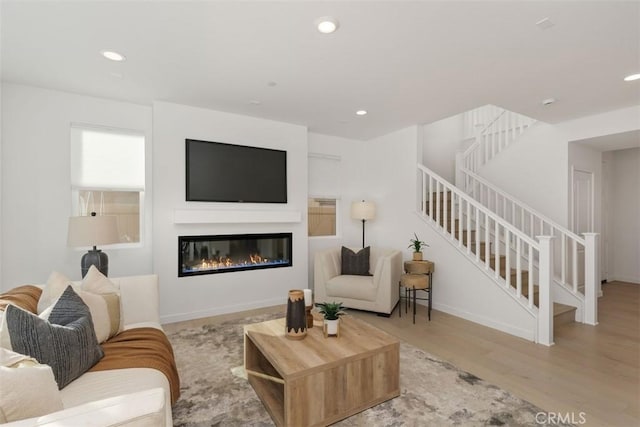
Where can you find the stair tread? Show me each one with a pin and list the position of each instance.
(559, 308)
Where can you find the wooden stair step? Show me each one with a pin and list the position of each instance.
(563, 314)
(435, 205)
(483, 246)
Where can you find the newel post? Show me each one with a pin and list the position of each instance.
(591, 277)
(459, 165)
(545, 303)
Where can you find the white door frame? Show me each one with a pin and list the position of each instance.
(592, 193)
(591, 214)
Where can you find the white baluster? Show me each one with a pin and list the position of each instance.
(468, 227)
(477, 227)
(531, 275)
(496, 264)
(519, 268)
(487, 242)
(574, 263)
(507, 261)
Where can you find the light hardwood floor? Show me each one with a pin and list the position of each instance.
(594, 370)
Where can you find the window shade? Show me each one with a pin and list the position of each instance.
(108, 160)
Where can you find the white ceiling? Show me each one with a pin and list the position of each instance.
(616, 141)
(404, 62)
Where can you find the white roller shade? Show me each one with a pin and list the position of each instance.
(105, 159)
(324, 175)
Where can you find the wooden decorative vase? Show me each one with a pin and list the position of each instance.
(296, 321)
(417, 256)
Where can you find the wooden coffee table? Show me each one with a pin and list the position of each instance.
(318, 381)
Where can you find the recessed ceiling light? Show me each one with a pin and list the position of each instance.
(545, 23)
(361, 112)
(632, 77)
(548, 101)
(114, 56)
(255, 102)
(327, 24)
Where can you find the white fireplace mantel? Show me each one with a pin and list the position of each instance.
(235, 216)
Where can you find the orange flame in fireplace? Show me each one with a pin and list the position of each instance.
(212, 264)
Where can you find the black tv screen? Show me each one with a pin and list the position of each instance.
(218, 172)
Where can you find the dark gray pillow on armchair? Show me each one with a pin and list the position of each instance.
(356, 264)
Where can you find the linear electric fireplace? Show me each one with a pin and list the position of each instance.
(224, 253)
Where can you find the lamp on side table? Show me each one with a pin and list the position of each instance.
(93, 230)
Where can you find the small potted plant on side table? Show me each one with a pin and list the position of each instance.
(417, 245)
(331, 312)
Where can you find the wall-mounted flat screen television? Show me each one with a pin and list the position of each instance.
(219, 172)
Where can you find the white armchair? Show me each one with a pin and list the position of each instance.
(378, 293)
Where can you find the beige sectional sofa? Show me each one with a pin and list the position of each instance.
(129, 396)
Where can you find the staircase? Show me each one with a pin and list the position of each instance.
(539, 263)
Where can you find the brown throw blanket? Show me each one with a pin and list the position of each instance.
(25, 297)
(141, 348)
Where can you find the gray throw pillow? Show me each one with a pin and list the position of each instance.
(356, 264)
(67, 342)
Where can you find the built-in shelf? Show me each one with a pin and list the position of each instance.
(223, 216)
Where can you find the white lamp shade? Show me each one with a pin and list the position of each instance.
(92, 230)
(363, 210)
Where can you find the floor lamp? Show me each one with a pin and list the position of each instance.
(363, 211)
(92, 231)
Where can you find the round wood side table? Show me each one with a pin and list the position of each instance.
(418, 277)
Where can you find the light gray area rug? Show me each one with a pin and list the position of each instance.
(433, 392)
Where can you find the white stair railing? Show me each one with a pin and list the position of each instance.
(497, 135)
(576, 258)
(467, 223)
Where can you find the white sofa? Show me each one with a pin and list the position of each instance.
(121, 397)
(378, 293)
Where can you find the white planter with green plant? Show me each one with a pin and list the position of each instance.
(331, 312)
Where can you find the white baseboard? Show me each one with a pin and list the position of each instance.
(635, 280)
(181, 317)
(503, 327)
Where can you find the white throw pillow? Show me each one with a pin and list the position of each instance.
(97, 292)
(5, 339)
(28, 388)
(97, 283)
(55, 286)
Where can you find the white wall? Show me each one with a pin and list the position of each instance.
(352, 188)
(611, 122)
(534, 170)
(460, 288)
(36, 189)
(1, 195)
(442, 139)
(200, 296)
(623, 214)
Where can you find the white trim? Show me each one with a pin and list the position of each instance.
(628, 279)
(220, 216)
(324, 156)
(172, 318)
(109, 129)
(485, 321)
(592, 190)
